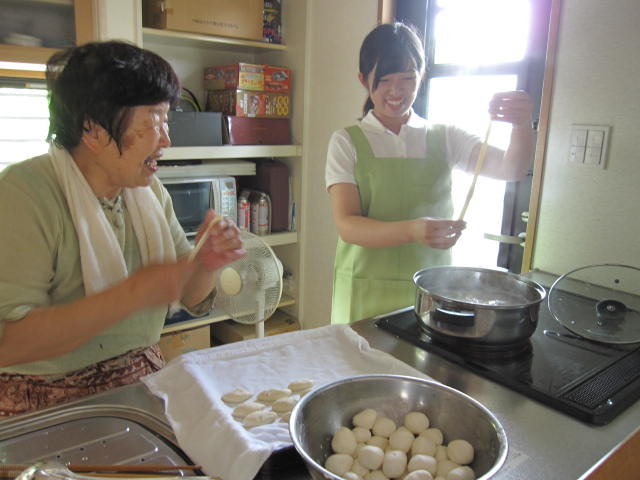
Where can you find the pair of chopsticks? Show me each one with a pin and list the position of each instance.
(204, 237)
(9, 470)
(480, 161)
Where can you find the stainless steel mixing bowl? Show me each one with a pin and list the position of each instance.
(319, 414)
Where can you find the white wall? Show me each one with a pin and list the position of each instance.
(590, 215)
(333, 99)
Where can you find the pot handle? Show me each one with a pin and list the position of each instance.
(461, 318)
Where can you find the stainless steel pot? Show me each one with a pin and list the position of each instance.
(477, 306)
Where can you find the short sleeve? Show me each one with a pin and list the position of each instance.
(341, 159)
(27, 246)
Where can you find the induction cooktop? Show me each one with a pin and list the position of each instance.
(593, 382)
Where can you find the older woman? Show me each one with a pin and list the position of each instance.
(90, 248)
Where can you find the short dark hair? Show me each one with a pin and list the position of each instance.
(101, 82)
(390, 48)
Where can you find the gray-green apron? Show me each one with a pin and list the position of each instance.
(373, 281)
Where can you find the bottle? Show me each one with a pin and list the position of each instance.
(260, 213)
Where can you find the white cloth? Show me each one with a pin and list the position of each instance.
(409, 143)
(101, 258)
(192, 385)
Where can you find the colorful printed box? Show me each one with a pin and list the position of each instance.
(246, 103)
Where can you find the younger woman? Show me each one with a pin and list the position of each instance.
(389, 178)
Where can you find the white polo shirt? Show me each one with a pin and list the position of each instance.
(411, 142)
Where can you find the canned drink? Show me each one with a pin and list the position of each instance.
(244, 211)
(260, 213)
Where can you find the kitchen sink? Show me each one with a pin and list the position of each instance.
(93, 433)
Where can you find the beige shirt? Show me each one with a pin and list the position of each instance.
(40, 262)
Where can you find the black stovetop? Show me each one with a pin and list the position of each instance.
(591, 381)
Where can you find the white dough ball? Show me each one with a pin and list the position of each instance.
(394, 463)
(344, 441)
(444, 467)
(401, 439)
(419, 475)
(351, 476)
(383, 427)
(416, 422)
(365, 419)
(461, 473)
(379, 441)
(339, 463)
(460, 451)
(284, 404)
(272, 394)
(246, 408)
(370, 457)
(363, 435)
(434, 434)
(358, 468)
(237, 396)
(424, 446)
(423, 462)
(376, 475)
(261, 417)
(441, 453)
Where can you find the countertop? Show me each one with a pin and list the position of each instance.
(543, 443)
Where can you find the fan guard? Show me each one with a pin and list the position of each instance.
(249, 289)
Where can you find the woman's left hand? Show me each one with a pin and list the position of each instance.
(512, 107)
(223, 245)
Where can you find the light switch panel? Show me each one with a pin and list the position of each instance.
(589, 145)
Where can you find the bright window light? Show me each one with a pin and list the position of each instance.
(484, 32)
(24, 123)
(33, 67)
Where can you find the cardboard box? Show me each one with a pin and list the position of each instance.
(195, 129)
(246, 103)
(257, 131)
(229, 18)
(248, 76)
(177, 343)
(230, 331)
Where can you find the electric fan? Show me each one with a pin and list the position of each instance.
(249, 289)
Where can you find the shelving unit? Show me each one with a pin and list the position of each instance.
(201, 322)
(189, 54)
(231, 151)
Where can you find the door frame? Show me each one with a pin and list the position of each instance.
(543, 131)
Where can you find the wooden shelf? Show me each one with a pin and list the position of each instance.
(185, 39)
(231, 151)
(201, 322)
(20, 54)
(281, 238)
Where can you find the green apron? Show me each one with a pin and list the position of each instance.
(373, 281)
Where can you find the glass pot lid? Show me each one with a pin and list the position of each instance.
(599, 302)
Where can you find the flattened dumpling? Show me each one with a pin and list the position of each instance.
(238, 395)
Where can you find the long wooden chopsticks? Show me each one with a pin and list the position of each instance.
(480, 161)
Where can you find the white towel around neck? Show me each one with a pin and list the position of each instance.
(101, 257)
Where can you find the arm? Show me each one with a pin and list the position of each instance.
(367, 232)
(47, 332)
(513, 164)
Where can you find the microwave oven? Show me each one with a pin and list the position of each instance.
(193, 196)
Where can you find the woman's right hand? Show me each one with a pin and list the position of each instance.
(436, 232)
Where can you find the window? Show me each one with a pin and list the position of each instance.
(474, 49)
(24, 121)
